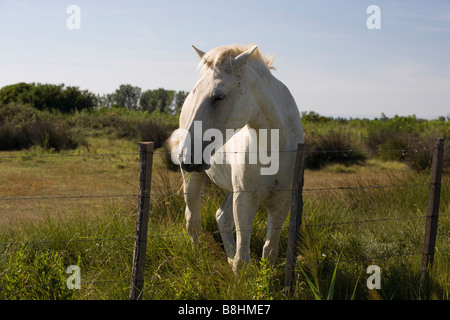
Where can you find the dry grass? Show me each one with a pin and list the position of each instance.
(36, 177)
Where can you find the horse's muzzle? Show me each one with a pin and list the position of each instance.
(195, 167)
(194, 164)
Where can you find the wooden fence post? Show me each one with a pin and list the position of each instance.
(295, 216)
(140, 244)
(433, 208)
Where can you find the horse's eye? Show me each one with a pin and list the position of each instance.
(218, 97)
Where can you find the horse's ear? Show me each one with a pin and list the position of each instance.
(241, 59)
(199, 52)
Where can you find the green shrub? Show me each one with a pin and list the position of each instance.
(420, 156)
(17, 114)
(407, 139)
(13, 138)
(332, 147)
(414, 149)
(396, 146)
(21, 127)
(127, 124)
(47, 135)
(153, 131)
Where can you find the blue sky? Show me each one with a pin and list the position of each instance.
(332, 63)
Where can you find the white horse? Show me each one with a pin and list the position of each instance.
(238, 91)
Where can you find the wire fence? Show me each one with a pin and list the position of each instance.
(91, 196)
(178, 192)
(165, 152)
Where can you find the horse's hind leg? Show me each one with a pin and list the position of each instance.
(277, 213)
(225, 221)
(192, 195)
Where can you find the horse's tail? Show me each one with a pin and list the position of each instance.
(172, 144)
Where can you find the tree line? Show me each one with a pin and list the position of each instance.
(131, 97)
(70, 99)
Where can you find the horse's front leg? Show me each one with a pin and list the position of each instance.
(278, 208)
(225, 221)
(245, 206)
(192, 185)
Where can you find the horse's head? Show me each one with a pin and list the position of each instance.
(220, 100)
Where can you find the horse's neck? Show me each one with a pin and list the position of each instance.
(277, 110)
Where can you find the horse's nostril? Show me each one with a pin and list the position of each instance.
(180, 157)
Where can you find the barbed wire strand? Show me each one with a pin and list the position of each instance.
(160, 152)
(68, 197)
(175, 192)
(70, 155)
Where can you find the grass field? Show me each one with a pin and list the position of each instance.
(342, 228)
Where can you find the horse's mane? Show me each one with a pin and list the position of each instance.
(220, 55)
